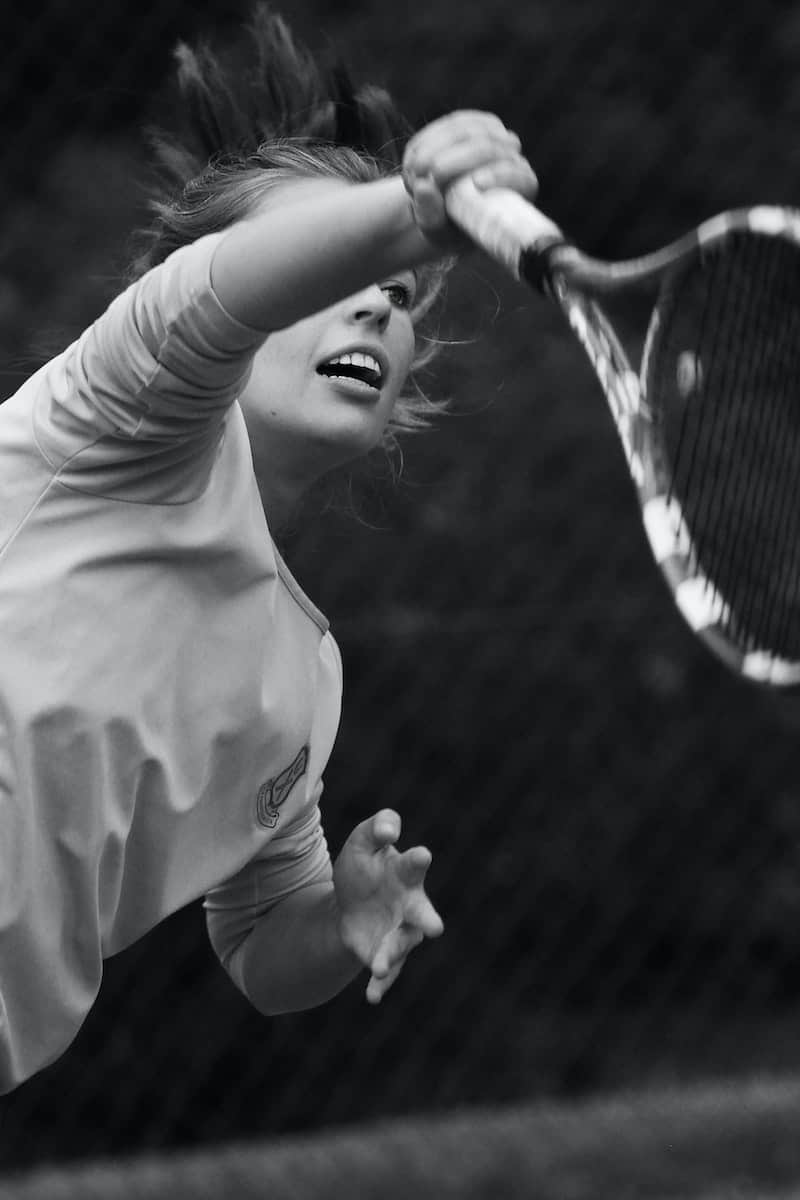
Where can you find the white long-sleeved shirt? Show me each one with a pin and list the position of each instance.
(169, 697)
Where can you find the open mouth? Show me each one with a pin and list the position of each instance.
(361, 367)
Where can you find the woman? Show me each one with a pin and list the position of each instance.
(169, 697)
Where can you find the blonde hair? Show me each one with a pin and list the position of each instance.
(256, 115)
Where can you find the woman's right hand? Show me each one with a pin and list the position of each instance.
(467, 142)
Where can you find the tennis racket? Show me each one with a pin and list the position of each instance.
(710, 420)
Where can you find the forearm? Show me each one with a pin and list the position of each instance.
(294, 957)
(313, 244)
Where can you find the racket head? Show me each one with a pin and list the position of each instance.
(721, 373)
(710, 424)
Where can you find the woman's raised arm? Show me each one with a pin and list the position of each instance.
(314, 241)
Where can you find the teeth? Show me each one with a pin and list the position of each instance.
(357, 359)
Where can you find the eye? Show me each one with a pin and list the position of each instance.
(400, 292)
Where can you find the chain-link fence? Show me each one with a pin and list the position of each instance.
(615, 821)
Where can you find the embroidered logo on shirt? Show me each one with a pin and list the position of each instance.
(272, 794)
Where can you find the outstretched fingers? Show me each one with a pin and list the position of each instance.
(385, 828)
(389, 961)
(394, 949)
(412, 866)
(386, 912)
(418, 912)
(423, 916)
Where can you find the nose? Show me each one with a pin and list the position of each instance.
(370, 307)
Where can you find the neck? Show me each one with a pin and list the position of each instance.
(280, 503)
(284, 480)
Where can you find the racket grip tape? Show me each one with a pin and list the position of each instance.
(501, 222)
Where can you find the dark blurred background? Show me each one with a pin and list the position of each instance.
(615, 820)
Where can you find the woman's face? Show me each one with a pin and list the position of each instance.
(322, 390)
(328, 384)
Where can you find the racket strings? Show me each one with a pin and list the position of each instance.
(788, 488)
(702, 488)
(739, 382)
(725, 377)
(778, 551)
(768, 485)
(777, 493)
(766, 480)
(690, 362)
(714, 430)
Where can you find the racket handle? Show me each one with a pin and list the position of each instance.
(501, 222)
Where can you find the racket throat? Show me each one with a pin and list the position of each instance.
(536, 261)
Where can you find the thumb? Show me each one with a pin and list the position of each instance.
(428, 204)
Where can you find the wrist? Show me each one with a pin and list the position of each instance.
(430, 216)
(409, 242)
(341, 923)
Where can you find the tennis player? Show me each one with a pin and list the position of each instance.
(169, 696)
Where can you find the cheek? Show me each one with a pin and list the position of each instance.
(278, 367)
(282, 353)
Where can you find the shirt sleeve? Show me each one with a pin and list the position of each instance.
(162, 364)
(295, 859)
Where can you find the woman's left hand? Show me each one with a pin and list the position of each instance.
(463, 143)
(384, 910)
